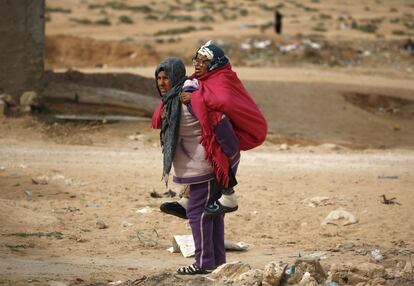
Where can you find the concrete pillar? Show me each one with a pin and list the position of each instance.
(21, 46)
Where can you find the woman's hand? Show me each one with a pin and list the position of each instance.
(185, 97)
(163, 112)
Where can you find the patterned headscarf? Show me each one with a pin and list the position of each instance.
(215, 54)
(175, 70)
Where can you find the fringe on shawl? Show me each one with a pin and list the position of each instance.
(219, 161)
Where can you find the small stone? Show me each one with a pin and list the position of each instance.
(308, 280)
(273, 273)
(408, 268)
(369, 270)
(2, 108)
(330, 146)
(100, 224)
(56, 283)
(40, 180)
(253, 277)
(30, 99)
(230, 271)
(8, 100)
(284, 147)
(310, 265)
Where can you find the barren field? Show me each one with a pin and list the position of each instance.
(337, 88)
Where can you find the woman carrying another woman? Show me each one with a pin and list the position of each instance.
(198, 139)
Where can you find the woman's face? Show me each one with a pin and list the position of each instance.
(201, 64)
(164, 83)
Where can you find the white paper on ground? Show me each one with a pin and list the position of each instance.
(185, 245)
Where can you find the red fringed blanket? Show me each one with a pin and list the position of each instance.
(221, 91)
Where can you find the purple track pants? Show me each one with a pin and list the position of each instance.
(208, 231)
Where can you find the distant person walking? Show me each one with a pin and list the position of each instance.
(278, 22)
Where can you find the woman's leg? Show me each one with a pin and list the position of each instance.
(218, 235)
(208, 231)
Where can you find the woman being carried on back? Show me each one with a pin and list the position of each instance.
(230, 122)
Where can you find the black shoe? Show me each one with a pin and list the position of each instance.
(192, 270)
(175, 209)
(216, 208)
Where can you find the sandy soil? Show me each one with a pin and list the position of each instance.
(49, 232)
(340, 126)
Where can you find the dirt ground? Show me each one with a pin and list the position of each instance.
(97, 175)
(341, 126)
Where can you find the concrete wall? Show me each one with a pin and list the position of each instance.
(21, 45)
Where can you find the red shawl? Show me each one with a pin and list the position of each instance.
(221, 91)
(156, 121)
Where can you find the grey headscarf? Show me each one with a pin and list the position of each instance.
(175, 70)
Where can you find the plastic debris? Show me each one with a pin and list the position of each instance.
(185, 245)
(287, 48)
(340, 214)
(376, 255)
(144, 210)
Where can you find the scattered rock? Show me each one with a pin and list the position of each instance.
(230, 271)
(126, 224)
(284, 147)
(139, 137)
(343, 275)
(369, 270)
(361, 273)
(274, 273)
(310, 265)
(2, 108)
(308, 280)
(408, 268)
(330, 146)
(317, 201)
(8, 100)
(56, 283)
(376, 255)
(40, 180)
(339, 214)
(100, 224)
(144, 210)
(28, 100)
(253, 277)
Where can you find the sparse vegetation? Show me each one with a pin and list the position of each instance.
(178, 18)
(57, 10)
(369, 27)
(124, 19)
(85, 21)
(103, 22)
(176, 31)
(53, 234)
(319, 29)
(169, 40)
(244, 12)
(325, 17)
(151, 17)
(121, 6)
(398, 32)
(409, 24)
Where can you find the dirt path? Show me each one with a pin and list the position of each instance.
(109, 182)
